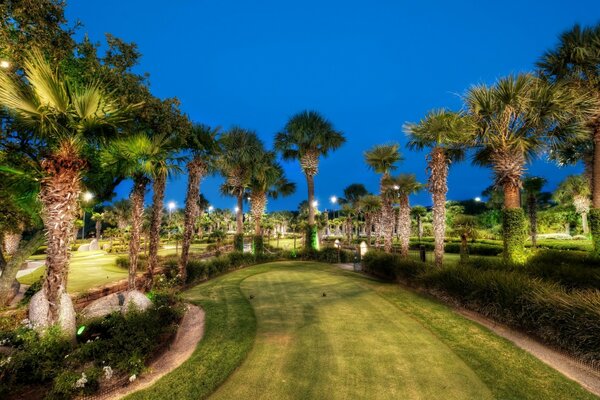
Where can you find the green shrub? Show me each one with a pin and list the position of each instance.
(258, 245)
(392, 266)
(238, 242)
(514, 234)
(123, 262)
(594, 221)
(568, 320)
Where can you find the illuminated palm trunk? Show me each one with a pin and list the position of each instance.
(137, 213)
(196, 170)
(437, 165)
(404, 225)
(158, 198)
(11, 242)
(59, 194)
(258, 202)
(595, 210)
(387, 217)
(310, 165)
(532, 210)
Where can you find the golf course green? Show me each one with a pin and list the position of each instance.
(301, 330)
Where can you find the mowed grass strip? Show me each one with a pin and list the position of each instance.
(363, 340)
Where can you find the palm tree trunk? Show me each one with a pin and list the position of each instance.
(404, 225)
(137, 212)
(438, 187)
(369, 228)
(239, 215)
(59, 194)
(11, 242)
(158, 198)
(10, 269)
(258, 202)
(196, 171)
(512, 196)
(420, 227)
(387, 217)
(98, 229)
(584, 223)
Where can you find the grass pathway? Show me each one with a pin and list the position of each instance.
(364, 340)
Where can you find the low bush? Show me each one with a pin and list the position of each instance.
(392, 266)
(59, 369)
(569, 320)
(123, 262)
(476, 248)
(199, 270)
(327, 254)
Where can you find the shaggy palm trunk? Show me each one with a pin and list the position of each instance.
(387, 217)
(59, 194)
(12, 267)
(258, 202)
(310, 165)
(158, 198)
(98, 229)
(420, 227)
(369, 228)
(11, 242)
(137, 213)
(532, 210)
(437, 165)
(584, 223)
(196, 170)
(404, 225)
(349, 229)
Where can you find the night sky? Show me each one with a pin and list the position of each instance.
(368, 66)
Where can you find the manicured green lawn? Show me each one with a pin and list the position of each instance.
(87, 270)
(364, 339)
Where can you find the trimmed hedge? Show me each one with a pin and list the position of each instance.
(513, 294)
(480, 249)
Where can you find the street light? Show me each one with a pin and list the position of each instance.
(236, 209)
(315, 203)
(4, 64)
(210, 209)
(87, 196)
(477, 199)
(334, 201)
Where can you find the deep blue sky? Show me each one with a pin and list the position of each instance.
(368, 66)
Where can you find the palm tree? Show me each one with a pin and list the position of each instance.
(353, 193)
(465, 227)
(349, 212)
(119, 213)
(532, 186)
(165, 163)
(575, 190)
(419, 212)
(306, 137)
(239, 150)
(515, 119)
(383, 159)
(202, 144)
(446, 133)
(574, 62)
(369, 206)
(98, 218)
(66, 120)
(402, 186)
(138, 156)
(268, 180)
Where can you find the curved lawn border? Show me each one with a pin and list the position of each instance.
(510, 372)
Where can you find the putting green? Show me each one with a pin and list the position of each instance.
(352, 343)
(271, 334)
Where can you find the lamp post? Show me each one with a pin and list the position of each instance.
(334, 201)
(87, 197)
(171, 206)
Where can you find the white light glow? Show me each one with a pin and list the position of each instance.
(478, 199)
(210, 208)
(171, 205)
(4, 64)
(236, 209)
(334, 199)
(315, 203)
(87, 196)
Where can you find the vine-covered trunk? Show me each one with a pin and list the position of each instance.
(532, 210)
(513, 224)
(404, 225)
(158, 198)
(437, 165)
(196, 171)
(12, 267)
(137, 213)
(59, 195)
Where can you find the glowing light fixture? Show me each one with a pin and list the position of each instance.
(4, 64)
(171, 205)
(478, 199)
(333, 199)
(87, 196)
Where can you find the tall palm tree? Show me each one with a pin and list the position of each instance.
(239, 150)
(119, 213)
(419, 212)
(402, 187)
(67, 120)
(136, 156)
(353, 193)
(268, 180)
(532, 186)
(446, 133)
(369, 205)
(516, 118)
(574, 62)
(202, 144)
(383, 159)
(306, 137)
(165, 163)
(575, 190)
